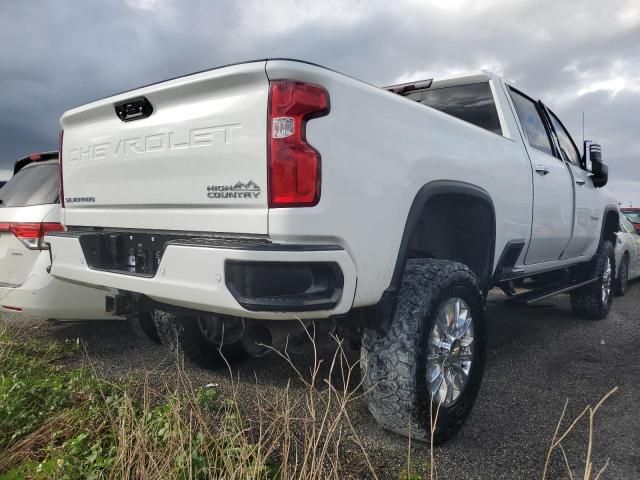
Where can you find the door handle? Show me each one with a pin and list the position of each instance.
(542, 170)
(580, 181)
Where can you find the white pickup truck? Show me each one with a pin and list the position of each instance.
(244, 197)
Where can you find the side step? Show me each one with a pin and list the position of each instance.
(511, 273)
(534, 296)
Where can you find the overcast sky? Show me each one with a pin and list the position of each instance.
(576, 56)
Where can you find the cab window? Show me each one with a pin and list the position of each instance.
(568, 149)
(531, 121)
(472, 103)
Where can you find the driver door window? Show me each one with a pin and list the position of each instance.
(532, 123)
(567, 147)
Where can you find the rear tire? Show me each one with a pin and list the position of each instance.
(622, 279)
(593, 301)
(403, 368)
(207, 340)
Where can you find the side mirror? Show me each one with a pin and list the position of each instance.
(592, 161)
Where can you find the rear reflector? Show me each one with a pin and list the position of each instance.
(31, 234)
(294, 165)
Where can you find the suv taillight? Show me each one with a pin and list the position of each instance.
(60, 168)
(31, 234)
(294, 165)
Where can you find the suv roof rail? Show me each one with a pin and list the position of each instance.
(34, 157)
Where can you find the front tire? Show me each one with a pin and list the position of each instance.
(593, 301)
(622, 279)
(432, 354)
(208, 340)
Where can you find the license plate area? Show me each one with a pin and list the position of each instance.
(131, 253)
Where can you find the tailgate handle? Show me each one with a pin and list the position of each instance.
(133, 109)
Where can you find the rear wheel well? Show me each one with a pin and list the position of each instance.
(448, 220)
(456, 226)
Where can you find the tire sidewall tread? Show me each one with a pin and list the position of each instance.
(586, 302)
(394, 362)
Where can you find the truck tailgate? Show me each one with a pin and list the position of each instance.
(196, 160)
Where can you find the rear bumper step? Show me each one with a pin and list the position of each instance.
(248, 277)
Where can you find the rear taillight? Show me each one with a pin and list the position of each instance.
(294, 165)
(28, 233)
(31, 234)
(60, 168)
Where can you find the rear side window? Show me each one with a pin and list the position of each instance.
(531, 122)
(36, 185)
(472, 103)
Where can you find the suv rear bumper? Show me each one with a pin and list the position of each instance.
(41, 295)
(251, 278)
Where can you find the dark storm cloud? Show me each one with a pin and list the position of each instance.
(579, 56)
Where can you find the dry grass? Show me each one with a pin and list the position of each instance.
(558, 438)
(186, 432)
(310, 431)
(188, 440)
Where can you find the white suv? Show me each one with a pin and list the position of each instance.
(29, 209)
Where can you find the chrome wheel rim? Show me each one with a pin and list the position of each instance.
(606, 281)
(450, 352)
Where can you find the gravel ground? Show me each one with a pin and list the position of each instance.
(538, 358)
